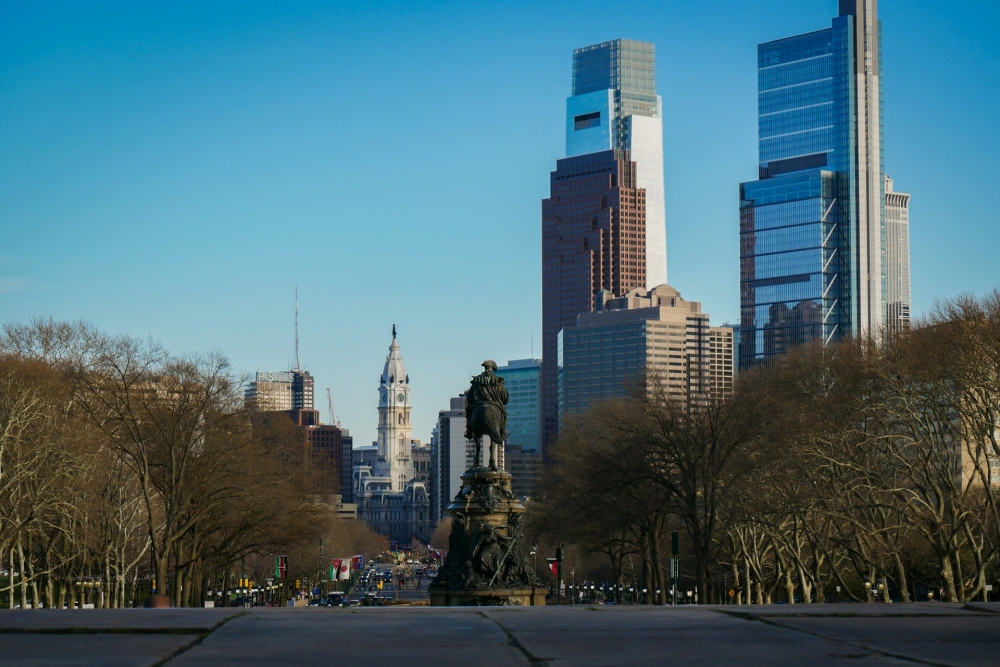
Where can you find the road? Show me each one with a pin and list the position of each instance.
(410, 593)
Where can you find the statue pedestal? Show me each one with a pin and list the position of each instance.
(485, 565)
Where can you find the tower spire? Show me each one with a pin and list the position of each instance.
(297, 369)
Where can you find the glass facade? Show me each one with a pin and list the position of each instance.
(810, 238)
(615, 106)
(521, 377)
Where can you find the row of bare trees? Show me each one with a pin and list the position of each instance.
(123, 466)
(866, 471)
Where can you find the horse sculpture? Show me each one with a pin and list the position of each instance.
(486, 412)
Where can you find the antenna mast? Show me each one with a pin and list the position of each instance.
(333, 415)
(297, 369)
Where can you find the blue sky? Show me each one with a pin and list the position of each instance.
(176, 169)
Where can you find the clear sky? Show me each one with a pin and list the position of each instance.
(176, 169)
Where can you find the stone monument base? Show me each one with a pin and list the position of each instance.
(442, 596)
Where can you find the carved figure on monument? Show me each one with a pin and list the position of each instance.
(486, 412)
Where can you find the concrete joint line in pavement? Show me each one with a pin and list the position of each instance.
(513, 642)
(199, 639)
(775, 624)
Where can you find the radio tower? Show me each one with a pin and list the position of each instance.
(297, 369)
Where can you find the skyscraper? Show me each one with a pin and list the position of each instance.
(812, 228)
(897, 258)
(604, 223)
(593, 239)
(615, 105)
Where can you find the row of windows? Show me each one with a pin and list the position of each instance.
(782, 239)
(800, 143)
(790, 74)
(796, 120)
(784, 99)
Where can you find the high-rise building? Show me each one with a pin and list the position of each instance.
(451, 455)
(812, 228)
(302, 390)
(615, 106)
(270, 392)
(593, 239)
(525, 467)
(389, 498)
(604, 223)
(521, 378)
(628, 342)
(897, 258)
(274, 392)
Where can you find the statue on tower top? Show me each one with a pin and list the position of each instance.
(394, 332)
(486, 412)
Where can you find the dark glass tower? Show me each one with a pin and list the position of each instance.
(812, 228)
(593, 239)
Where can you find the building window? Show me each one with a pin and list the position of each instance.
(587, 121)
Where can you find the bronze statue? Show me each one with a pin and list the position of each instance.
(485, 412)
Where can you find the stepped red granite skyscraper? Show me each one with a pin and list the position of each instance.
(593, 239)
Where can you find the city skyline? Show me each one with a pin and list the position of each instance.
(102, 186)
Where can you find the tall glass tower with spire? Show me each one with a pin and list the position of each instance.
(813, 263)
(615, 105)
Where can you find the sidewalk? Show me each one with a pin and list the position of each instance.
(817, 635)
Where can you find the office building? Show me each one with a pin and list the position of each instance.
(388, 496)
(521, 378)
(629, 342)
(451, 455)
(897, 259)
(302, 390)
(525, 466)
(593, 239)
(812, 228)
(615, 106)
(282, 391)
(270, 392)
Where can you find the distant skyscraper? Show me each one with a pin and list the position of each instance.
(273, 392)
(270, 392)
(615, 105)
(593, 239)
(897, 258)
(302, 390)
(451, 455)
(813, 234)
(521, 377)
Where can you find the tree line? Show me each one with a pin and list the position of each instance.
(864, 470)
(123, 466)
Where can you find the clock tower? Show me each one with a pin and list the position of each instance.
(394, 432)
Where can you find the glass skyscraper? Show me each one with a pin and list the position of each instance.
(812, 228)
(615, 106)
(603, 225)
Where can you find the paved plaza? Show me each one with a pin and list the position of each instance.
(816, 635)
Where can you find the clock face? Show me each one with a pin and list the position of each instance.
(401, 398)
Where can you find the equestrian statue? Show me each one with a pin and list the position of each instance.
(486, 412)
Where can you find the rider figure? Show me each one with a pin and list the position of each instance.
(485, 413)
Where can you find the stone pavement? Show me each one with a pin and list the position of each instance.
(817, 635)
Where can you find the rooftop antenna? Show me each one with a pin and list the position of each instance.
(297, 369)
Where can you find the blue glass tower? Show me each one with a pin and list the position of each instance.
(812, 228)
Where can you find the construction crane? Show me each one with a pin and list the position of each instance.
(333, 415)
